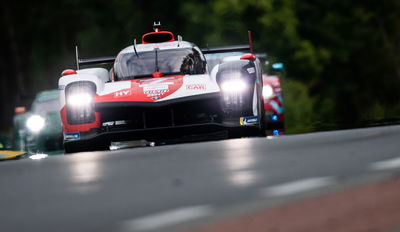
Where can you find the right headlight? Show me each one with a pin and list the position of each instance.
(236, 85)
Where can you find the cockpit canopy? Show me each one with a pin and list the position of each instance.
(181, 61)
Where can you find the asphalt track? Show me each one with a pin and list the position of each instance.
(186, 186)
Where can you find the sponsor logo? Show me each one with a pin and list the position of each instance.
(196, 87)
(157, 87)
(108, 123)
(157, 92)
(251, 70)
(251, 120)
(123, 93)
(156, 82)
(115, 123)
(72, 136)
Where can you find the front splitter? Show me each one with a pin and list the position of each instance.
(164, 135)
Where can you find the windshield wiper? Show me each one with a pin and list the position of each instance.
(155, 50)
(134, 48)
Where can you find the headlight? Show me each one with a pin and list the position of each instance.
(233, 85)
(35, 123)
(79, 99)
(267, 91)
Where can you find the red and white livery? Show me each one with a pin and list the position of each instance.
(159, 90)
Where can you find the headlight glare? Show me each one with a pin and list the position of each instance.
(233, 85)
(35, 123)
(267, 91)
(79, 99)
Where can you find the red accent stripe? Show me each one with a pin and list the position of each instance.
(81, 127)
(146, 90)
(374, 207)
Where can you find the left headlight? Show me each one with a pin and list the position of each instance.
(35, 123)
(233, 85)
(79, 99)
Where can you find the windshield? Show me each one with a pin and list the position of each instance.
(174, 61)
(51, 105)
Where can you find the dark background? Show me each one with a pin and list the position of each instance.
(342, 58)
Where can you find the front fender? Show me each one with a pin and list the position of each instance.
(98, 76)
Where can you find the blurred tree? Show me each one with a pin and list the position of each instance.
(346, 52)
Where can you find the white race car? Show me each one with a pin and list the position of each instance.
(161, 90)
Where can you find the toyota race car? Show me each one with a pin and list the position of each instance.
(161, 89)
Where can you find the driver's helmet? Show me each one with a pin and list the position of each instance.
(193, 64)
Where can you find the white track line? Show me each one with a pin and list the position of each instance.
(386, 164)
(167, 218)
(297, 186)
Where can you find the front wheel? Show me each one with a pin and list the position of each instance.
(72, 147)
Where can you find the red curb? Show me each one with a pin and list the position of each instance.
(371, 208)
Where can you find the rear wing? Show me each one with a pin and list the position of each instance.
(98, 60)
(223, 49)
(214, 50)
(111, 59)
(92, 61)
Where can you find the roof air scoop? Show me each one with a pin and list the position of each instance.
(158, 36)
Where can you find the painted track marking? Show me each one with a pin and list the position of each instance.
(386, 164)
(297, 186)
(167, 218)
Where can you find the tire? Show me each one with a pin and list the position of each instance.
(72, 148)
(75, 147)
(81, 146)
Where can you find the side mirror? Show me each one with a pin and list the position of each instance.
(19, 110)
(111, 75)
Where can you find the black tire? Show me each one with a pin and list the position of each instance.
(81, 146)
(71, 147)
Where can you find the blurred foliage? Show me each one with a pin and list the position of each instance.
(342, 57)
(299, 115)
